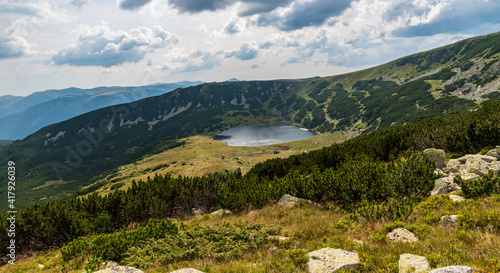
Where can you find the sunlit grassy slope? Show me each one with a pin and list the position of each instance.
(475, 242)
(201, 155)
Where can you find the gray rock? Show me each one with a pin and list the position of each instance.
(401, 235)
(494, 152)
(115, 268)
(287, 201)
(409, 263)
(475, 164)
(221, 212)
(454, 269)
(469, 176)
(332, 260)
(445, 185)
(449, 220)
(456, 198)
(438, 156)
(454, 163)
(278, 238)
(494, 166)
(196, 211)
(187, 270)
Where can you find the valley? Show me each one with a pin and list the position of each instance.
(201, 155)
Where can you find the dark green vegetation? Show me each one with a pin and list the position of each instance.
(165, 242)
(5, 142)
(372, 172)
(63, 158)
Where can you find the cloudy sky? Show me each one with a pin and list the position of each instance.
(87, 43)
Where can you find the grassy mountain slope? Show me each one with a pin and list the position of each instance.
(59, 159)
(308, 228)
(367, 185)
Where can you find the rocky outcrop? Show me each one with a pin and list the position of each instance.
(409, 263)
(287, 201)
(454, 269)
(187, 270)
(449, 220)
(332, 260)
(468, 167)
(401, 235)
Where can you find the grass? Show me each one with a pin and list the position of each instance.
(202, 155)
(474, 242)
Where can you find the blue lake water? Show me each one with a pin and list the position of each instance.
(264, 134)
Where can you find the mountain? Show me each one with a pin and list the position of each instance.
(59, 159)
(22, 116)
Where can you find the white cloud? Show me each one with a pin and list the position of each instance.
(198, 60)
(246, 51)
(233, 26)
(99, 46)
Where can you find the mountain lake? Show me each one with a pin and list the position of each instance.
(263, 134)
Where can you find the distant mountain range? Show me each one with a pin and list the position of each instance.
(61, 158)
(22, 116)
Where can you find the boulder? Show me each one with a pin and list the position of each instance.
(41, 266)
(409, 263)
(456, 198)
(187, 270)
(454, 269)
(438, 156)
(113, 267)
(449, 220)
(469, 176)
(494, 152)
(287, 201)
(475, 158)
(445, 185)
(476, 165)
(401, 235)
(196, 211)
(221, 212)
(332, 260)
(454, 163)
(278, 238)
(494, 166)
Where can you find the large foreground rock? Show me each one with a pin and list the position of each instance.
(328, 260)
(401, 235)
(409, 263)
(454, 269)
(288, 201)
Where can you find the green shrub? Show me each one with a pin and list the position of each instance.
(482, 187)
